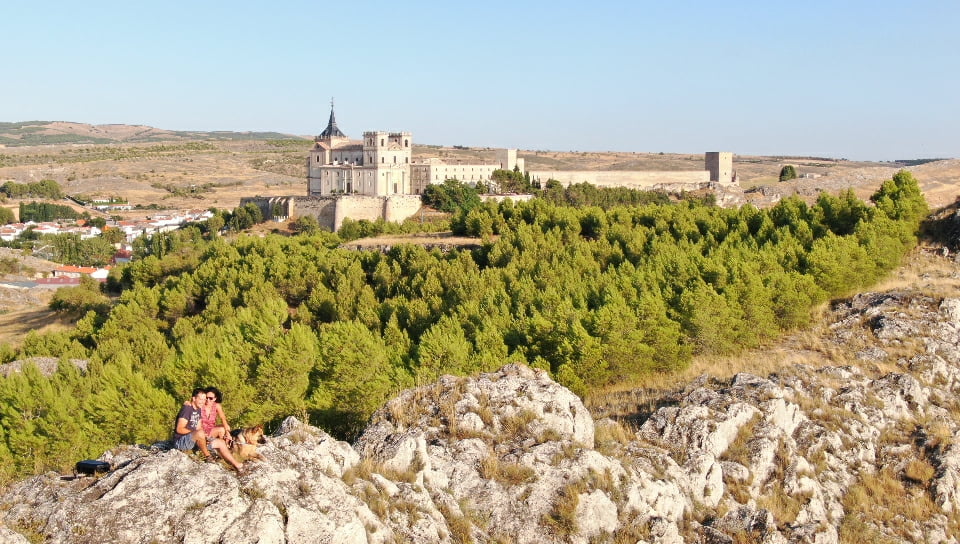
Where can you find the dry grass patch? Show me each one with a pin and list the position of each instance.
(375, 500)
(615, 431)
(568, 450)
(934, 433)
(562, 518)
(367, 467)
(939, 434)
(920, 471)
(484, 410)
(830, 417)
(612, 436)
(631, 531)
(549, 435)
(886, 500)
(360, 471)
(407, 508)
(31, 530)
(461, 530)
(401, 414)
(739, 490)
(739, 450)
(783, 506)
(605, 482)
(508, 474)
(512, 427)
(932, 274)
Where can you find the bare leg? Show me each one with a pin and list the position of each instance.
(224, 452)
(201, 440)
(217, 432)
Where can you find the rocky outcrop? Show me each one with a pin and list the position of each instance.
(855, 452)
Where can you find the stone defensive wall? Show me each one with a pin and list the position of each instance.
(632, 179)
(330, 211)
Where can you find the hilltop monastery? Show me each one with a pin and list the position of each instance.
(376, 178)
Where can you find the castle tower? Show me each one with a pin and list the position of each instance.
(720, 166)
(507, 158)
(390, 154)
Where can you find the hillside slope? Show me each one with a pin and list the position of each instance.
(27, 133)
(864, 452)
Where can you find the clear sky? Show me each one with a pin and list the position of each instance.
(863, 80)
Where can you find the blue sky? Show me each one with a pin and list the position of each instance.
(859, 80)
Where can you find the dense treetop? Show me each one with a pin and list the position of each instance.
(295, 325)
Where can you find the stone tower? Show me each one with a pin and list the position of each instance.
(389, 153)
(720, 166)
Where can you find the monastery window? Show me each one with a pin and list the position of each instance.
(406, 160)
(406, 143)
(383, 160)
(381, 142)
(394, 159)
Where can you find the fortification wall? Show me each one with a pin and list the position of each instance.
(400, 207)
(358, 207)
(631, 179)
(322, 208)
(330, 211)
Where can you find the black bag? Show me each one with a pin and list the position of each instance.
(90, 466)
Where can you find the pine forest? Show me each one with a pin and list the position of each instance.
(295, 325)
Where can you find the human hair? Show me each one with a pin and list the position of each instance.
(216, 393)
(197, 391)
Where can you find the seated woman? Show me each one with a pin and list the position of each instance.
(211, 412)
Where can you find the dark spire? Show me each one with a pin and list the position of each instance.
(332, 131)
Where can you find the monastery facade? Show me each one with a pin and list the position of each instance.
(378, 165)
(381, 165)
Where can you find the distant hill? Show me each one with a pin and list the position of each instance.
(26, 133)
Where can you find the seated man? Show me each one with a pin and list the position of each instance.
(187, 433)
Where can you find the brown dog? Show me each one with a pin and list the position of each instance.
(244, 446)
